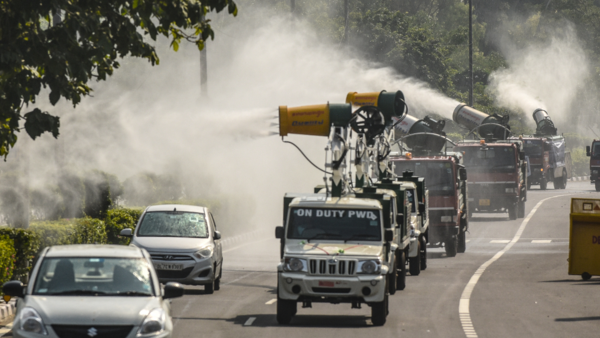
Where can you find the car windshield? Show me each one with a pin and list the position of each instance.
(438, 175)
(493, 159)
(173, 224)
(336, 224)
(93, 276)
(533, 148)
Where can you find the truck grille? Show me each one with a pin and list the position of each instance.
(332, 267)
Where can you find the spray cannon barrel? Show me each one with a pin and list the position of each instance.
(313, 120)
(391, 104)
(424, 143)
(545, 126)
(474, 119)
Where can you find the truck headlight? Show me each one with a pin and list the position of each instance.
(369, 267)
(31, 321)
(446, 219)
(154, 323)
(295, 264)
(509, 190)
(204, 252)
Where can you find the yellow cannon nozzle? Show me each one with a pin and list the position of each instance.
(363, 99)
(313, 120)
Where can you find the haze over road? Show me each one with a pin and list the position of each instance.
(525, 293)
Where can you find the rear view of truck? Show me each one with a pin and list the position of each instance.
(594, 153)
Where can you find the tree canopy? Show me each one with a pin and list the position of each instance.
(63, 44)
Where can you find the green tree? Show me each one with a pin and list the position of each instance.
(37, 52)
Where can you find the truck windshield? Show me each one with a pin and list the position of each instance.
(438, 175)
(334, 224)
(533, 148)
(494, 159)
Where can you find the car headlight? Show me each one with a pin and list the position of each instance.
(369, 267)
(509, 190)
(205, 252)
(154, 323)
(295, 264)
(31, 321)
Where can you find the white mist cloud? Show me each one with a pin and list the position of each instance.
(548, 76)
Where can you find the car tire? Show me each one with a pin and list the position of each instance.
(521, 211)
(415, 262)
(392, 279)
(218, 280)
(423, 253)
(209, 289)
(451, 246)
(462, 242)
(285, 310)
(401, 264)
(379, 311)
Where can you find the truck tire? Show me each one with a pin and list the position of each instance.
(451, 245)
(392, 279)
(564, 179)
(415, 262)
(423, 253)
(379, 311)
(401, 264)
(513, 212)
(521, 211)
(543, 184)
(285, 310)
(462, 242)
(597, 185)
(528, 185)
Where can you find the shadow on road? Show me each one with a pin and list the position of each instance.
(574, 281)
(305, 321)
(489, 219)
(576, 319)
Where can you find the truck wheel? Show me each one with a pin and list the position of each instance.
(415, 262)
(521, 211)
(401, 265)
(423, 253)
(564, 180)
(462, 242)
(543, 184)
(528, 185)
(285, 310)
(392, 279)
(597, 185)
(513, 211)
(451, 245)
(379, 311)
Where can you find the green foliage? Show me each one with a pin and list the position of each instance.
(7, 259)
(119, 219)
(63, 56)
(88, 231)
(26, 244)
(51, 233)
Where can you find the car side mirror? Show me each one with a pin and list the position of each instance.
(588, 151)
(399, 219)
(13, 288)
(279, 232)
(173, 290)
(462, 174)
(217, 235)
(421, 208)
(127, 232)
(389, 235)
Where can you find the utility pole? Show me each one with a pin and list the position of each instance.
(470, 53)
(346, 21)
(203, 70)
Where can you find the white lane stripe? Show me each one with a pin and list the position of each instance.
(465, 298)
(541, 241)
(500, 241)
(250, 321)
(271, 301)
(5, 330)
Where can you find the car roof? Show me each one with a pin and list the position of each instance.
(179, 207)
(94, 250)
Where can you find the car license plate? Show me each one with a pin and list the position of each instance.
(159, 266)
(326, 284)
(484, 202)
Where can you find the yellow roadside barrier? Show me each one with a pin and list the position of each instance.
(584, 238)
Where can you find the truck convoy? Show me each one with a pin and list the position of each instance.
(446, 179)
(594, 153)
(347, 242)
(496, 165)
(545, 152)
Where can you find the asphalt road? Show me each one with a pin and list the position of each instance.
(524, 293)
(518, 289)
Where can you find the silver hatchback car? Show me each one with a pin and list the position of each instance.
(183, 242)
(100, 291)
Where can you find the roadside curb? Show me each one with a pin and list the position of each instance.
(7, 310)
(579, 178)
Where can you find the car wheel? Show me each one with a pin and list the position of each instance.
(210, 288)
(415, 262)
(423, 253)
(401, 264)
(379, 311)
(285, 310)
(392, 279)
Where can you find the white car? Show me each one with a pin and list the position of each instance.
(93, 290)
(183, 242)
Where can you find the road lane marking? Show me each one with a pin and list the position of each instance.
(541, 241)
(271, 301)
(465, 298)
(5, 329)
(250, 321)
(500, 241)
